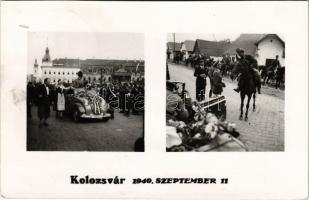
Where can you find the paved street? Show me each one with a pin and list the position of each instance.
(66, 135)
(264, 130)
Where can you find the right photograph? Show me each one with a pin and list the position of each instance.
(225, 92)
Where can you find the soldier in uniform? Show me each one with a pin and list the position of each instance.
(200, 73)
(252, 64)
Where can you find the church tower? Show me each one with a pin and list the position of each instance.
(46, 60)
(46, 57)
(36, 70)
(35, 67)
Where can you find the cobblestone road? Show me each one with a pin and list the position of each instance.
(119, 134)
(265, 129)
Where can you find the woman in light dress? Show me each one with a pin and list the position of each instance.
(60, 99)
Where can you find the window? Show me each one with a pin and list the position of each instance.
(72, 73)
(68, 73)
(44, 72)
(54, 72)
(94, 79)
(84, 79)
(63, 73)
(58, 73)
(283, 53)
(49, 72)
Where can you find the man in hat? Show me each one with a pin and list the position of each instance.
(44, 102)
(200, 73)
(79, 82)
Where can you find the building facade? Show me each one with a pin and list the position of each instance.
(269, 47)
(212, 49)
(173, 48)
(56, 73)
(65, 69)
(263, 47)
(187, 48)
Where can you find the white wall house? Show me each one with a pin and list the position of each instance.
(172, 49)
(261, 46)
(187, 48)
(268, 47)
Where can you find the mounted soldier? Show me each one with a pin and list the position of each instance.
(247, 60)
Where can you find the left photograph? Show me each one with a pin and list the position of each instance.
(85, 91)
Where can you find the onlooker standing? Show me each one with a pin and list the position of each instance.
(43, 103)
(210, 75)
(200, 73)
(217, 84)
(60, 99)
(30, 98)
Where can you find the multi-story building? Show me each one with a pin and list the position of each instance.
(94, 70)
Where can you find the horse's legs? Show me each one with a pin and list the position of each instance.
(254, 96)
(247, 106)
(267, 79)
(242, 97)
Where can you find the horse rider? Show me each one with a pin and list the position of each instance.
(247, 60)
(275, 64)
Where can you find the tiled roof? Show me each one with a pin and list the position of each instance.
(171, 45)
(211, 48)
(246, 42)
(270, 35)
(189, 44)
(67, 62)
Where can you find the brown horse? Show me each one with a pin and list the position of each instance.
(247, 85)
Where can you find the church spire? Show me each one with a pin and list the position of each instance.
(46, 57)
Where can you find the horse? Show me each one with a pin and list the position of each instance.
(247, 85)
(279, 77)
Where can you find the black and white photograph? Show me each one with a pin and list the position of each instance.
(85, 91)
(96, 97)
(225, 92)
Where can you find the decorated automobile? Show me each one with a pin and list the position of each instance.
(86, 104)
(198, 126)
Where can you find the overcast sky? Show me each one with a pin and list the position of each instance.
(180, 37)
(85, 45)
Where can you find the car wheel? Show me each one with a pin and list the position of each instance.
(76, 117)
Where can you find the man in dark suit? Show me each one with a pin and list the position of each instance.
(43, 102)
(30, 98)
(200, 73)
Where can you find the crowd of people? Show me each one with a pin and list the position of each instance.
(205, 66)
(127, 97)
